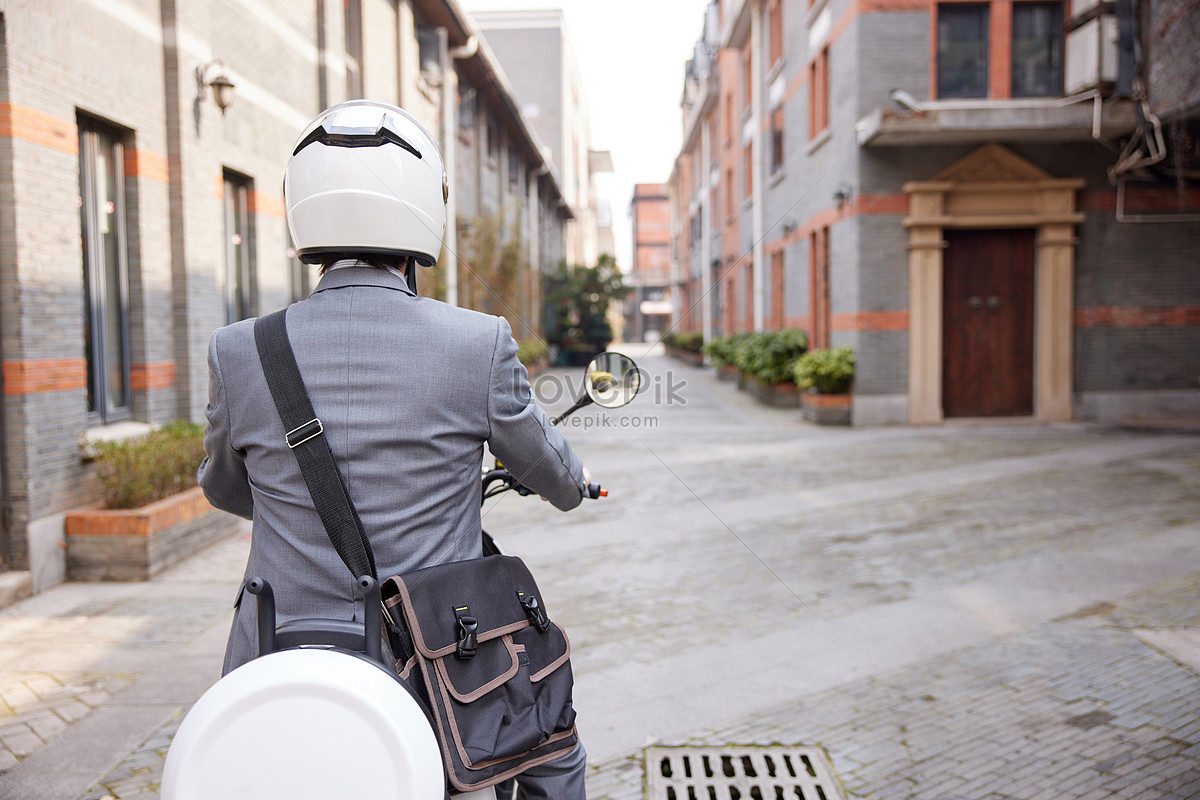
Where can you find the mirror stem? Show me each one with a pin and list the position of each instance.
(580, 403)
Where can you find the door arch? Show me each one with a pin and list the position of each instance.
(992, 188)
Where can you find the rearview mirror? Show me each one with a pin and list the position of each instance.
(612, 380)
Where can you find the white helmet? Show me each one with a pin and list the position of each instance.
(366, 178)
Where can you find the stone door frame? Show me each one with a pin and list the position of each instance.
(993, 187)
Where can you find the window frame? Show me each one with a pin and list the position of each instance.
(241, 296)
(1058, 57)
(99, 280)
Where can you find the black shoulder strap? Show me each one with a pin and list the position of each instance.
(306, 437)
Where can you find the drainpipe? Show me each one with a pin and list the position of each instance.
(756, 164)
(448, 56)
(706, 201)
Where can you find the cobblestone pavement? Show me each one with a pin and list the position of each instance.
(969, 611)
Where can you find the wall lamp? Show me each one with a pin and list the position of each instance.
(213, 75)
(842, 195)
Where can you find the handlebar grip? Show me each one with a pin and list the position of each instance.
(594, 491)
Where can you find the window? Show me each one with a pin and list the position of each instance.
(468, 102)
(493, 141)
(777, 140)
(1037, 48)
(728, 117)
(105, 270)
(777, 290)
(962, 50)
(353, 30)
(748, 168)
(747, 77)
(775, 32)
(514, 168)
(239, 253)
(818, 94)
(728, 190)
(818, 288)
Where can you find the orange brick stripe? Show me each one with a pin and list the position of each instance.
(263, 203)
(1137, 317)
(45, 375)
(865, 205)
(870, 321)
(159, 375)
(147, 164)
(30, 125)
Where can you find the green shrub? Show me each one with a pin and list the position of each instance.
(532, 351)
(688, 342)
(134, 472)
(721, 349)
(827, 371)
(770, 356)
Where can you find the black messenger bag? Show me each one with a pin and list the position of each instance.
(477, 645)
(471, 638)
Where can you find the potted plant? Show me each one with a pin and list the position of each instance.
(721, 351)
(685, 347)
(534, 354)
(827, 376)
(577, 302)
(767, 359)
(152, 513)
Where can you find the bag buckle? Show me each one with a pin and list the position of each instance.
(303, 433)
(537, 614)
(468, 627)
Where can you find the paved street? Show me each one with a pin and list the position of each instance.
(968, 611)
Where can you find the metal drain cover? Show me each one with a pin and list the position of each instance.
(739, 773)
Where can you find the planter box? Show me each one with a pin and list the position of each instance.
(136, 544)
(826, 409)
(695, 359)
(783, 395)
(727, 372)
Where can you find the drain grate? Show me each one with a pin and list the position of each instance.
(739, 773)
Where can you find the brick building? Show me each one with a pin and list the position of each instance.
(136, 215)
(651, 304)
(966, 192)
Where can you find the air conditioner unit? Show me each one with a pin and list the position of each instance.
(1091, 55)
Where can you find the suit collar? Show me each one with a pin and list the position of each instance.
(362, 276)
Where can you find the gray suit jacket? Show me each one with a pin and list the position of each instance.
(408, 390)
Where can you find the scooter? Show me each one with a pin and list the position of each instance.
(320, 713)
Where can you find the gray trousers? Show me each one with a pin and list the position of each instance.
(561, 779)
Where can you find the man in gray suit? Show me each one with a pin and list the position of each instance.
(408, 390)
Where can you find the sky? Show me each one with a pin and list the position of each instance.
(631, 56)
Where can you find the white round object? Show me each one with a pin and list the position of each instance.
(303, 724)
(366, 178)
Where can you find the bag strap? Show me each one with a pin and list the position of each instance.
(306, 438)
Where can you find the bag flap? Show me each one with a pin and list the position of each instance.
(547, 651)
(487, 588)
(468, 680)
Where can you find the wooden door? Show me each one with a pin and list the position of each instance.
(987, 323)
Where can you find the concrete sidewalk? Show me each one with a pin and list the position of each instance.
(969, 611)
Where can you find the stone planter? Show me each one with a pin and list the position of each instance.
(136, 544)
(783, 395)
(826, 409)
(728, 372)
(687, 356)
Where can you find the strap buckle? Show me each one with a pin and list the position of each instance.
(468, 626)
(535, 612)
(303, 433)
